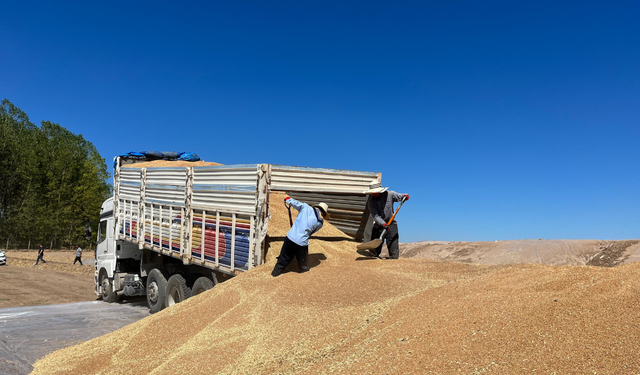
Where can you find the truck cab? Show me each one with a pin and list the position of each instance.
(113, 257)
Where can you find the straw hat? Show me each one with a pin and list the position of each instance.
(323, 206)
(375, 187)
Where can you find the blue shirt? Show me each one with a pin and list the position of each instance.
(308, 222)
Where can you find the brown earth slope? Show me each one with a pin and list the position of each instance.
(369, 316)
(552, 252)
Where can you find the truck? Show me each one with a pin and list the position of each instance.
(170, 232)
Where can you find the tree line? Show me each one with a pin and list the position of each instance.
(52, 183)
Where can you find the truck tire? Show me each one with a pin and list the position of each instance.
(177, 290)
(156, 290)
(202, 284)
(107, 293)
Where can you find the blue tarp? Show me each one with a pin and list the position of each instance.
(158, 155)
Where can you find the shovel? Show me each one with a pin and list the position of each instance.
(288, 206)
(375, 243)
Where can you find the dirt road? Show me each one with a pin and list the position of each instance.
(57, 281)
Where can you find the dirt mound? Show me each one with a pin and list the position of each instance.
(369, 316)
(551, 252)
(612, 253)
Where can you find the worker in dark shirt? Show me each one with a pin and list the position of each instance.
(381, 206)
(40, 255)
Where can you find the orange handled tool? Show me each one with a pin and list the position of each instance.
(375, 243)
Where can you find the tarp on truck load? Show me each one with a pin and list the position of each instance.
(157, 155)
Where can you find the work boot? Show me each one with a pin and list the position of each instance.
(303, 269)
(276, 272)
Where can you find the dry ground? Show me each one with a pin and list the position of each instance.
(353, 315)
(551, 252)
(57, 281)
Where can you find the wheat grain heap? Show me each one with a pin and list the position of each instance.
(370, 316)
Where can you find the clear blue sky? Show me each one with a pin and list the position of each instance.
(503, 120)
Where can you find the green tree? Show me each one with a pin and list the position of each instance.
(18, 136)
(52, 181)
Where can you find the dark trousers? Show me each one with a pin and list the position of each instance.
(40, 258)
(77, 260)
(391, 238)
(290, 250)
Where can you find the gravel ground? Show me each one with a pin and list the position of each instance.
(355, 315)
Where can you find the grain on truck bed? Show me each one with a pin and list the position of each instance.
(170, 163)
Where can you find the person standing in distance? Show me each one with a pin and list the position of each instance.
(296, 244)
(381, 207)
(78, 256)
(40, 255)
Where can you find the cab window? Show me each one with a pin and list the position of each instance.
(102, 231)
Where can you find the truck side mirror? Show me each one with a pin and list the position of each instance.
(87, 232)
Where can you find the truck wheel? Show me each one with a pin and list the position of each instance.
(156, 290)
(177, 290)
(107, 293)
(202, 284)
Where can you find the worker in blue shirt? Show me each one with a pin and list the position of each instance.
(296, 244)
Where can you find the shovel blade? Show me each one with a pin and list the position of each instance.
(369, 245)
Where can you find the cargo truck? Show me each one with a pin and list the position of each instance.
(171, 232)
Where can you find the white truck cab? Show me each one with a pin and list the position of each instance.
(113, 257)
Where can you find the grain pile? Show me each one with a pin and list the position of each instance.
(370, 316)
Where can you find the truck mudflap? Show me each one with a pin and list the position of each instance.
(133, 286)
(96, 284)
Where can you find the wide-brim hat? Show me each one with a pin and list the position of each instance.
(375, 187)
(323, 206)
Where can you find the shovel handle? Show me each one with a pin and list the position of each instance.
(393, 217)
(395, 213)
(288, 206)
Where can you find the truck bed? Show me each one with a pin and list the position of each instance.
(217, 215)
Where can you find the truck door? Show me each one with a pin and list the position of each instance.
(105, 253)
